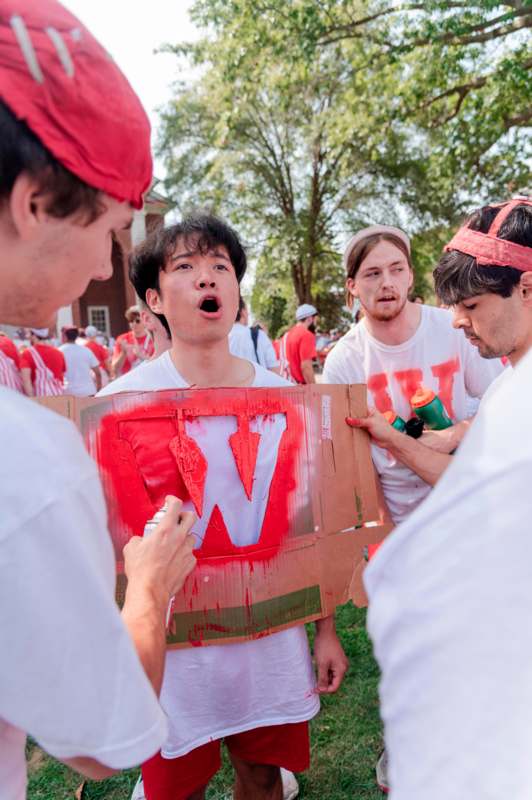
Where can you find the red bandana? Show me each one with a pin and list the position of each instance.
(488, 249)
(60, 81)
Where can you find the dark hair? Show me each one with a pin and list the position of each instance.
(71, 334)
(457, 276)
(241, 308)
(364, 248)
(201, 232)
(21, 151)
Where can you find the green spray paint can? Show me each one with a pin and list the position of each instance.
(395, 421)
(428, 407)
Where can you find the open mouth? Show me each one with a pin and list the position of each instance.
(388, 299)
(209, 305)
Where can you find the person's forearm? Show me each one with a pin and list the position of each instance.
(27, 385)
(116, 364)
(144, 615)
(425, 462)
(326, 626)
(447, 440)
(307, 371)
(97, 378)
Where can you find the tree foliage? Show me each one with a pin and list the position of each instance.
(308, 119)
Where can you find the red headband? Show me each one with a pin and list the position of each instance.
(60, 81)
(488, 249)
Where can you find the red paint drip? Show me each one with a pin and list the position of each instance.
(245, 446)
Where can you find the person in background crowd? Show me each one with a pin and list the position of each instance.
(450, 590)
(133, 347)
(157, 327)
(92, 336)
(82, 376)
(78, 676)
(297, 349)
(398, 347)
(9, 364)
(42, 366)
(251, 343)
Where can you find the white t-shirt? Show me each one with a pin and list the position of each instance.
(437, 356)
(241, 345)
(215, 691)
(450, 599)
(69, 674)
(79, 363)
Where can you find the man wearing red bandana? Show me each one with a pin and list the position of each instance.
(450, 590)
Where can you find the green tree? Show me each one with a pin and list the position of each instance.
(310, 119)
(257, 140)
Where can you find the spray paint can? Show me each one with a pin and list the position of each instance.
(428, 407)
(152, 523)
(148, 529)
(395, 420)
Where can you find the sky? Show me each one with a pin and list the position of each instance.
(131, 32)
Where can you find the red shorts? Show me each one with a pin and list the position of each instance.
(177, 778)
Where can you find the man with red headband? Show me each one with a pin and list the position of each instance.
(450, 591)
(74, 162)
(399, 349)
(475, 289)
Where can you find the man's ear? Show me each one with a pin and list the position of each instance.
(27, 206)
(525, 288)
(411, 279)
(153, 301)
(351, 286)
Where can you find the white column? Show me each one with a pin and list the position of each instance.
(65, 318)
(138, 228)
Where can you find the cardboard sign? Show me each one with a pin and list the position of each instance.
(282, 487)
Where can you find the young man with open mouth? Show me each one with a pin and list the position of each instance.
(256, 695)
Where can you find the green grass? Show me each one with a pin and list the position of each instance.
(345, 737)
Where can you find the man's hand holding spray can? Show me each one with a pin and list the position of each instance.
(164, 556)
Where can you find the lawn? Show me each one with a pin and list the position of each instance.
(346, 739)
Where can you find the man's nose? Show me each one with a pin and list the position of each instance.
(460, 318)
(205, 281)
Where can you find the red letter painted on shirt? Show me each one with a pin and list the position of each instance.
(445, 373)
(378, 386)
(409, 380)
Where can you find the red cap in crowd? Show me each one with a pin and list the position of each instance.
(61, 82)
